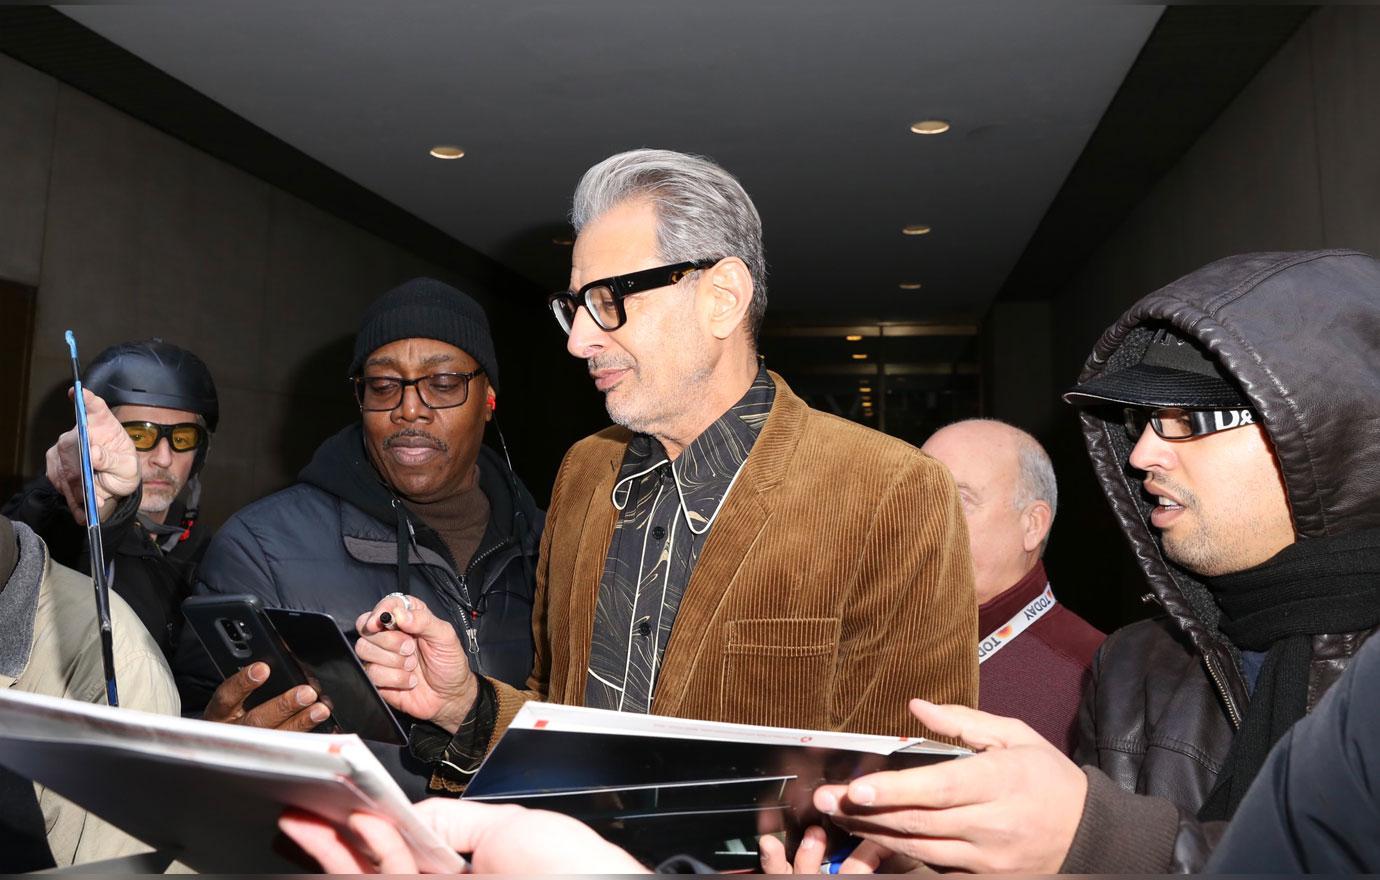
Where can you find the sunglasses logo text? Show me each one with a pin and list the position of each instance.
(1231, 418)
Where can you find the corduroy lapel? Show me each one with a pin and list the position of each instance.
(744, 514)
(596, 533)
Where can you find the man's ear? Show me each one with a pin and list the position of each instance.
(1036, 520)
(728, 288)
(490, 400)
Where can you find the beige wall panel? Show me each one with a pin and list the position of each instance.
(203, 247)
(1251, 182)
(140, 235)
(1346, 62)
(230, 479)
(91, 260)
(28, 106)
(321, 273)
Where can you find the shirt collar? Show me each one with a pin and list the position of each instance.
(706, 470)
(1002, 607)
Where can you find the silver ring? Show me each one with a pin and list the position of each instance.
(406, 600)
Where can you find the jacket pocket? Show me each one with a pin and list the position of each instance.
(779, 672)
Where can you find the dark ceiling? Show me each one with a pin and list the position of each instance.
(809, 103)
(1063, 116)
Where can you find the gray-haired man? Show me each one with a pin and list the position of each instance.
(1034, 653)
(724, 552)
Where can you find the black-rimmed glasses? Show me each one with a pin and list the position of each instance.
(1177, 423)
(603, 299)
(182, 437)
(436, 391)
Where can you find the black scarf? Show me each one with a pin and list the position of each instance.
(1316, 586)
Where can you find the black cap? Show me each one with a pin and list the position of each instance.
(154, 373)
(1174, 371)
(425, 308)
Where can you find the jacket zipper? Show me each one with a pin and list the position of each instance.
(471, 632)
(462, 580)
(1210, 661)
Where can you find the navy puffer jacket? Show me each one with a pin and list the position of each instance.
(330, 543)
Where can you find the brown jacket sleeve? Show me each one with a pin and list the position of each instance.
(1121, 832)
(909, 627)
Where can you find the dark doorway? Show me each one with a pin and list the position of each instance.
(16, 347)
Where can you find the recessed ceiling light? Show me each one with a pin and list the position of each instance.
(563, 240)
(910, 285)
(915, 229)
(929, 126)
(853, 337)
(865, 389)
(447, 151)
(860, 356)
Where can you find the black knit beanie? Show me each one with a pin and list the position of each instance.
(425, 308)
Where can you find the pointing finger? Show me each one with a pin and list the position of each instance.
(976, 729)
(952, 783)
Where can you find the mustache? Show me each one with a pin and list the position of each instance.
(610, 363)
(157, 473)
(1169, 487)
(413, 434)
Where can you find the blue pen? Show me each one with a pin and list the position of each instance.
(99, 578)
(833, 862)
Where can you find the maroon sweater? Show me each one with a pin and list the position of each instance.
(1039, 676)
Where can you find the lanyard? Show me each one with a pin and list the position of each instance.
(1008, 631)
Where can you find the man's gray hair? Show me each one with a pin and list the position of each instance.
(702, 211)
(1035, 480)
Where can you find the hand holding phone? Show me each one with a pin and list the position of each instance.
(312, 670)
(298, 708)
(264, 686)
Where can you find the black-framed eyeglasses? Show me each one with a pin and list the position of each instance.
(603, 299)
(1178, 423)
(435, 391)
(182, 437)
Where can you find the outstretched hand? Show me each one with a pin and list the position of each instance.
(1013, 808)
(499, 839)
(868, 858)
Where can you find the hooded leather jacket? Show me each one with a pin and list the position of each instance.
(1300, 334)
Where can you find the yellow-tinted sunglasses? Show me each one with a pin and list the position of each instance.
(184, 437)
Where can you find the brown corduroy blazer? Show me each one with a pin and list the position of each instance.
(835, 584)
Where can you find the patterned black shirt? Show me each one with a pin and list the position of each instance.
(665, 512)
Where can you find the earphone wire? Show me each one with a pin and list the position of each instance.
(518, 515)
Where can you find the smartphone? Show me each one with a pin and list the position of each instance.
(328, 659)
(235, 633)
(300, 647)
